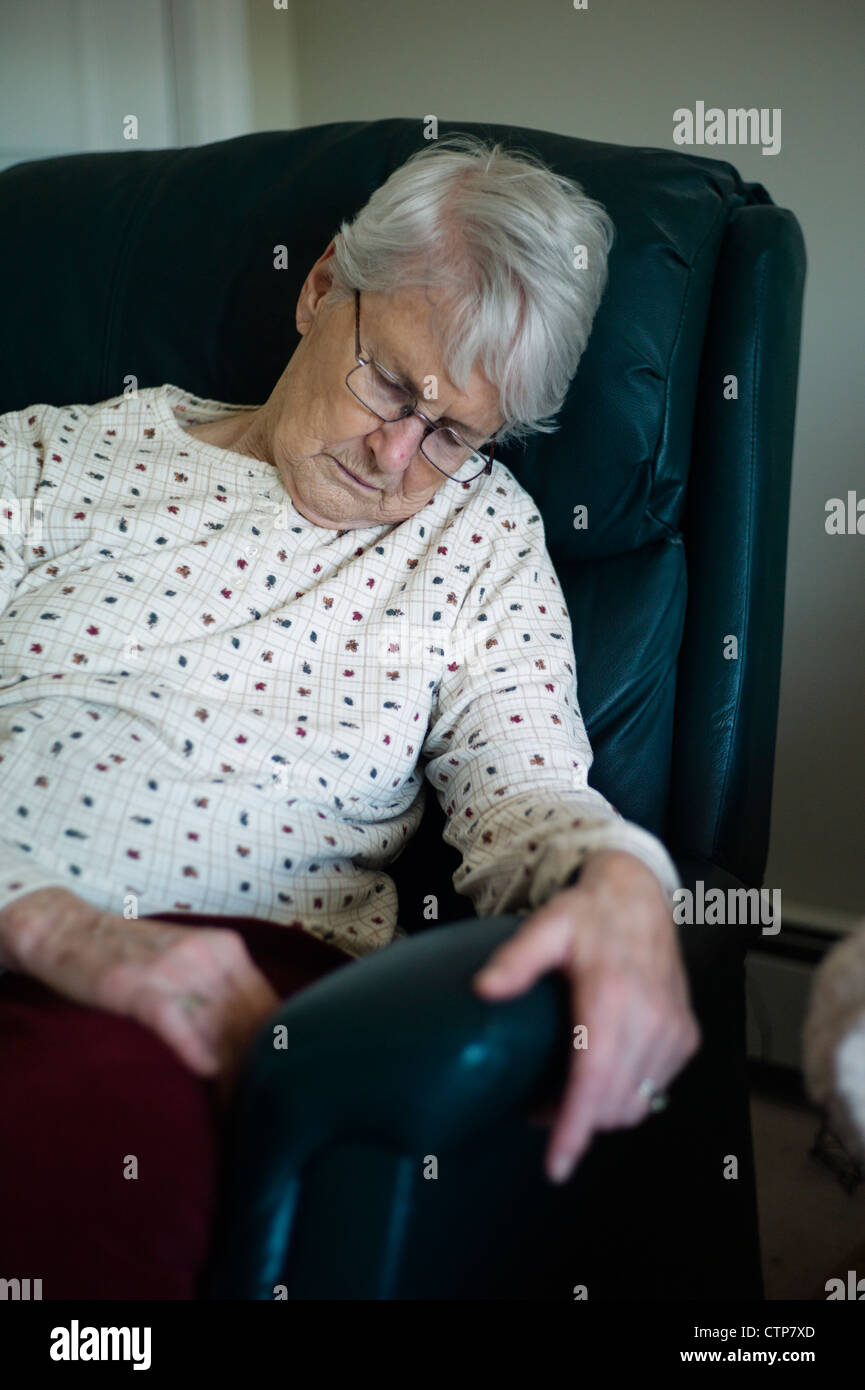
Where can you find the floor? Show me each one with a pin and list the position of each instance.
(811, 1228)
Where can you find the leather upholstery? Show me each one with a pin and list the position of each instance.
(349, 1117)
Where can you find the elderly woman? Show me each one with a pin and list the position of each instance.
(233, 650)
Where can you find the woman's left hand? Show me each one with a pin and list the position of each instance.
(613, 935)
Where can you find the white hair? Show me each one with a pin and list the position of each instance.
(501, 232)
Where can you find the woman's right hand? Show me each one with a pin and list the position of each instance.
(197, 988)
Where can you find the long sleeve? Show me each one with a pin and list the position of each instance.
(507, 750)
(146, 641)
(20, 874)
(21, 463)
(21, 459)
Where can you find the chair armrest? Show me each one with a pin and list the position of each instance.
(396, 1049)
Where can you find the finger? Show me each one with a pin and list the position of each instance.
(576, 1120)
(255, 996)
(659, 1063)
(626, 1105)
(636, 1045)
(187, 1003)
(592, 1072)
(541, 944)
(215, 998)
(244, 999)
(182, 1027)
(653, 1046)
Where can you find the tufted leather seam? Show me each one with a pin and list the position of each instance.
(724, 213)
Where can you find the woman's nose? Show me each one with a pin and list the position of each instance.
(395, 443)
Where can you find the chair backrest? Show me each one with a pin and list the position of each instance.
(161, 265)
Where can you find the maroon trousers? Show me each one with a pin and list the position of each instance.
(82, 1092)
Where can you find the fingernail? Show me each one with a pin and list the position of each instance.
(560, 1167)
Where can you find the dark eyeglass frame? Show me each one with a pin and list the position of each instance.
(431, 425)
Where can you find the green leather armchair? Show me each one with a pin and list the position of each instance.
(160, 264)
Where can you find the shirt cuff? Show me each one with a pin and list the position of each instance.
(14, 884)
(20, 874)
(562, 861)
(543, 853)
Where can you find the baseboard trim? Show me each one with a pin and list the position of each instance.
(797, 942)
(821, 919)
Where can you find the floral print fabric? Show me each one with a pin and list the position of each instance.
(209, 704)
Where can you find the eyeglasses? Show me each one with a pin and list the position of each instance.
(385, 396)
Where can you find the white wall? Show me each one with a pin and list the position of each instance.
(616, 72)
(72, 71)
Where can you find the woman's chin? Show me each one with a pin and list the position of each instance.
(335, 512)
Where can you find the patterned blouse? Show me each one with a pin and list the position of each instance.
(210, 704)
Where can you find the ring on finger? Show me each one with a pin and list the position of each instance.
(188, 1002)
(658, 1099)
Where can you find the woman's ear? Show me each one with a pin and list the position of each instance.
(316, 285)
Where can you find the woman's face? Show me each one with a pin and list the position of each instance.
(312, 424)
